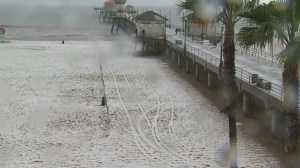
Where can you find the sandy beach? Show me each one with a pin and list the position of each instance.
(51, 113)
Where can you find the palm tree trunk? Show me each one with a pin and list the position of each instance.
(230, 85)
(291, 90)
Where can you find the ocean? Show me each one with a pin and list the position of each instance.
(52, 23)
(64, 23)
(72, 23)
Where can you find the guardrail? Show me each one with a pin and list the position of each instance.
(205, 56)
(260, 54)
(274, 90)
(201, 54)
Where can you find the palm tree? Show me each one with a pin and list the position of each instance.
(228, 12)
(279, 19)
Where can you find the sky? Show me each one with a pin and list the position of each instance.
(87, 2)
(91, 2)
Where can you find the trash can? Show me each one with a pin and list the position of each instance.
(178, 42)
(254, 78)
(267, 85)
(260, 82)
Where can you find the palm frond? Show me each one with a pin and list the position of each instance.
(291, 54)
(185, 5)
(252, 36)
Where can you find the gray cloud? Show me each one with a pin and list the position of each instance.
(86, 2)
(91, 2)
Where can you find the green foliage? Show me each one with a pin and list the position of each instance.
(280, 20)
(226, 11)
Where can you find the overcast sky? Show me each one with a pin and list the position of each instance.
(87, 2)
(92, 2)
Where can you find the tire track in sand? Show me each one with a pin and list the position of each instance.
(157, 135)
(154, 127)
(142, 146)
(145, 116)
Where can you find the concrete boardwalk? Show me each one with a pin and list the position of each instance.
(267, 69)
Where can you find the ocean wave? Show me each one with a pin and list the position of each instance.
(72, 35)
(62, 35)
(49, 35)
(12, 26)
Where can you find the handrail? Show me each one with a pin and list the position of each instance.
(274, 89)
(259, 53)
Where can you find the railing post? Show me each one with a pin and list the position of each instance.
(241, 74)
(266, 56)
(249, 78)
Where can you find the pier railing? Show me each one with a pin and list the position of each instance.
(205, 56)
(260, 54)
(273, 89)
(201, 54)
(266, 86)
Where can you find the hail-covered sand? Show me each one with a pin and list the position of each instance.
(51, 113)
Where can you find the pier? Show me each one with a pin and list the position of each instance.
(124, 23)
(203, 60)
(104, 15)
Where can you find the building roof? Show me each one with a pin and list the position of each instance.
(150, 16)
(2, 28)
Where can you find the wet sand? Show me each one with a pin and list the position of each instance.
(158, 116)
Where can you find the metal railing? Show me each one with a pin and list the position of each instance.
(259, 53)
(201, 54)
(205, 56)
(274, 90)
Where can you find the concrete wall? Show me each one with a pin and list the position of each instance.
(152, 28)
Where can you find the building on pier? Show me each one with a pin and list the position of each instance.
(194, 27)
(208, 30)
(115, 5)
(109, 5)
(150, 24)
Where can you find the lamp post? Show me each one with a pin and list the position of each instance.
(202, 35)
(221, 54)
(183, 28)
(192, 30)
(184, 47)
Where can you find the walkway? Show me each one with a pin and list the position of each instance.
(247, 64)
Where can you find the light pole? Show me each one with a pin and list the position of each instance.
(221, 54)
(183, 28)
(202, 35)
(192, 30)
(184, 47)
